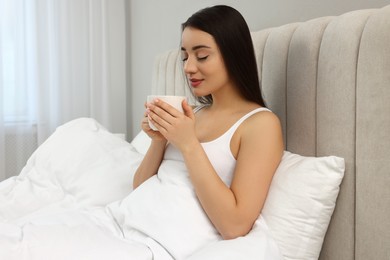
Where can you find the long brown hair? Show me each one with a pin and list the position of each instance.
(232, 35)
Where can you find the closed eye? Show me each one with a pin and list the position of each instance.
(202, 58)
(184, 59)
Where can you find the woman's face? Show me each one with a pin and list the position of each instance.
(203, 62)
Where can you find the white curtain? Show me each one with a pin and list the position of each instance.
(59, 60)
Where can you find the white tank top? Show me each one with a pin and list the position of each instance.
(217, 150)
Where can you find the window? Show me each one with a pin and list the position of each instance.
(15, 62)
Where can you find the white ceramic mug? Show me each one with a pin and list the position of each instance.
(174, 101)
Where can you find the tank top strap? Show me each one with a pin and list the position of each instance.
(254, 111)
(234, 127)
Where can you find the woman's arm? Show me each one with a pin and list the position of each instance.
(153, 157)
(233, 209)
(150, 164)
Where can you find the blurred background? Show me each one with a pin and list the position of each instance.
(65, 59)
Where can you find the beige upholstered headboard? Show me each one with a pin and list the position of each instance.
(328, 79)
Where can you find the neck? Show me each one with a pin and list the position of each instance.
(227, 98)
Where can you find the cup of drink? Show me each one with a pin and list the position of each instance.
(174, 101)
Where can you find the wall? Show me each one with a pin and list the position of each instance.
(154, 27)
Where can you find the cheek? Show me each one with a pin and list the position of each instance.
(217, 81)
(215, 73)
(220, 76)
(214, 69)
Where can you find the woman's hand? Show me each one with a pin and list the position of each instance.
(176, 127)
(154, 135)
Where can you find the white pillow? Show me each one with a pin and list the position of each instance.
(301, 201)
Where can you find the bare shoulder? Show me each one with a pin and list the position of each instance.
(261, 122)
(261, 132)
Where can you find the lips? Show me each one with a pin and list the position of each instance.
(195, 82)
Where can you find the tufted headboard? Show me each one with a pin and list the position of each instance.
(328, 80)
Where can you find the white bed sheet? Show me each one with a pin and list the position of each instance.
(70, 202)
(74, 234)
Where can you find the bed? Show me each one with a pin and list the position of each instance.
(328, 80)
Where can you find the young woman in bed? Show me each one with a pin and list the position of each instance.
(232, 144)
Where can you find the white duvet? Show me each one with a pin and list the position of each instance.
(73, 200)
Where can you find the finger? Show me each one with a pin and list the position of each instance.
(167, 108)
(145, 120)
(145, 124)
(160, 115)
(188, 111)
(147, 111)
(158, 121)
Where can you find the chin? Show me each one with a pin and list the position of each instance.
(199, 93)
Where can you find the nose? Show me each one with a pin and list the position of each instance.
(190, 66)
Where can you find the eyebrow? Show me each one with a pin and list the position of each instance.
(197, 47)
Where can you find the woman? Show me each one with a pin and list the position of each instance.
(231, 145)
